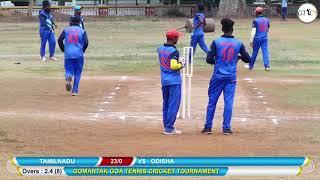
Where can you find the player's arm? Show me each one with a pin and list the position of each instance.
(253, 32)
(174, 61)
(42, 19)
(60, 41)
(244, 54)
(86, 41)
(211, 56)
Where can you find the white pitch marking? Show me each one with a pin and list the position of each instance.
(110, 97)
(255, 88)
(117, 88)
(251, 81)
(243, 119)
(275, 121)
(113, 93)
(264, 102)
(259, 92)
(247, 79)
(122, 117)
(96, 115)
(106, 102)
(260, 97)
(124, 77)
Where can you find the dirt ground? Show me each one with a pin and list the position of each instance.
(121, 116)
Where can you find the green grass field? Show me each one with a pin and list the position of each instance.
(128, 46)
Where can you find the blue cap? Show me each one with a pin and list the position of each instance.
(77, 8)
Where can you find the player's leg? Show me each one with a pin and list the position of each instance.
(68, 67)
(194, 42)
(215, 88)
(265, 54)
(202, 44)
(165, 104)
(256, 47)
(44, 38)
(228, 93)
(78, 66)
(52, 45)
(173, 108)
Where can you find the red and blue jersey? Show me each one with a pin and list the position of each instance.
(46, 20)
(224, 53)
(167, 52)
(262, 26)
(196, 21)
(75, 42)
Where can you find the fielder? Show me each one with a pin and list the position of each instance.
(224, 55)
(259, 39)
(77, 12)
(46, 31)
(73, 41)
(197, 36)
(170, 66)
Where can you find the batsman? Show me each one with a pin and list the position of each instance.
(170, 65)
(73, 41)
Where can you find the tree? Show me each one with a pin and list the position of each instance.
(228, 8)
(31, 4)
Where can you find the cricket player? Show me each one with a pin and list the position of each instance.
(223, 54)
(77, 12)
(46, 31)
(197, 36)
(73, 41)
(284, 9)
(170, 65)
(259, 39)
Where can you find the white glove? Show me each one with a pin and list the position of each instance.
(182, 60)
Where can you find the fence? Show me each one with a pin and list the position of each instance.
(188, 11)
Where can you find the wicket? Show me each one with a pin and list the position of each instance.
(187, 73)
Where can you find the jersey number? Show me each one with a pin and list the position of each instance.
(227, 53)
(263, 27)
(73, 38)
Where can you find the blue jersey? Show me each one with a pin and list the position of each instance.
(75, 42)
(284, 3)
(196, 20)
(262, 26)
(167, 52)
(81, 21)
(46, 20)
(224, 53)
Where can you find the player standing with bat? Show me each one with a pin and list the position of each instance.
(223, 54)
(259, 39)
(46, 31)
(170, 65)
(73, 41)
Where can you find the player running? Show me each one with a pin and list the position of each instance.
(197, 36)
(73, 41)
(77, 12)
(170, 66)
(224, 55)
(259, 39)
(46, 31)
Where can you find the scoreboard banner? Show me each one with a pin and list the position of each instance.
(159, 166)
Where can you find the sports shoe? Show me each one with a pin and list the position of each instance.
(68, 83)
(206, 131)
(267, 69)
(227, 132)
(174, 132)
(75, 94)
(54, 58)
(44, 59)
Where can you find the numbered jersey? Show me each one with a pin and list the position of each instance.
(74, 42)
(262, 25)
(167, 52)
(227, 50)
